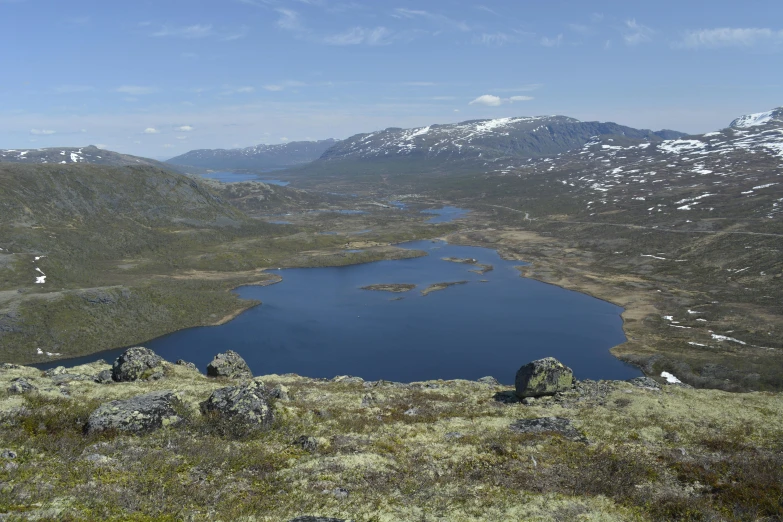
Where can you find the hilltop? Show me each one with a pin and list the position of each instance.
(258, 157)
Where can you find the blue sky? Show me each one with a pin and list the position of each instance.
(159, 78)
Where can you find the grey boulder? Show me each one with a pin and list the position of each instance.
(246, 404)
(137, 363)
(140, 414)
(20, 385)
(229, 364)
(548, 425)
(645, 382)
(543, 377)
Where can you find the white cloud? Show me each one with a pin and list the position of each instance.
(360, 35)
(731, 37)
(552, 42)
(490, 100)
(438, 19)
(289, 20)
(184, 128)
(487, 99)
(42, 132)
(135, 90)
(494, 39)
(181, 137)
(151, 130)
(167, 146)
(188, 31)
(636, 33)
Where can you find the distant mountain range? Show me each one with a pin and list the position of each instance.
(529, 137)
(68, 155)
(255, 158)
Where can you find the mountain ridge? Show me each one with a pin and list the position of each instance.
(256, 157)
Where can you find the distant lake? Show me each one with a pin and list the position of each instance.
(319, 323)
(233, 177)
(445, 214)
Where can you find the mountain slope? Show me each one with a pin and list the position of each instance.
(68, 155)
(256, 157)
(488, 140)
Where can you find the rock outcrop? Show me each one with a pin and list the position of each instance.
(544, 425)
(543, 377)
(246, 404)
(21, 385)
(229, 364)
(140, 414)
(137, 363)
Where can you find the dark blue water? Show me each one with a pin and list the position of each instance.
(233, 177)
(319, 323)
(445, 214)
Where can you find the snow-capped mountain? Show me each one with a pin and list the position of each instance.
(484, 139)
(65, 155)
(736, 171)
(257, 157)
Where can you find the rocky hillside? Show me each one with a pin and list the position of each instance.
(68, 155)
(150, 440)
(488, 140)
(258, 157)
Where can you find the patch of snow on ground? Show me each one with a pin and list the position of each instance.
(654, 257)
(680, 146)
(721, 338)
(671, 379)
(764, 186)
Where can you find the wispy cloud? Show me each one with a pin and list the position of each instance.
(731, 37)
(187, 31)
(522, 88)
(636, 33)
(135, 90)
(289, 21)
(495, 39)
(151, 130)
(230, 91)
(42, 132)
(184, 128)
(490, 100)
(70, 89)
(481, 7)
(551, 42)
(361, 35)
(443, 21)
(281, 86)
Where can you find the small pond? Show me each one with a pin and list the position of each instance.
(445, 214)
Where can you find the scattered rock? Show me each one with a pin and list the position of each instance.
(369, 400)
(137, 363)
(645, 382)
(100, 460)
(317, 519)
(65, 378)
(229, 364)
(348, 379)
(9, 366)
(186, 364)
(506, 397)
(51, 372)
(453, 435)
(246, 403)
(280, 392)
(8, 454)
(411, 412)
(340, 493)
(543, 377)
(489, 380)
(140, 414)
(307, 443)
(20, 385)
(104, 377)
(544, 425)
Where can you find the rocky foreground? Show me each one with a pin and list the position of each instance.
(144, 439)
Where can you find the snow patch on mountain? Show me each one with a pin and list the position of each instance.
(753, 120)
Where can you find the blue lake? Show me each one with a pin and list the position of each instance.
(233, 177)
(319, 323)
(445, 214)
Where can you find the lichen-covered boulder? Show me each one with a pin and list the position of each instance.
(137, 363)
(20, 385)
(543, 377)
(246, 404)
(229, 364)
(548, 425)
(140, 414)
(186, 364)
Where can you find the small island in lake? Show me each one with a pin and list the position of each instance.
(480, 268)
(390, 287)
(441, 286)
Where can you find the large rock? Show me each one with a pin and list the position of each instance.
(229, 364)
(548, 425)
(137, 364)
(20, 385)
(543, 377)
(246, 404)
(140, 414)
